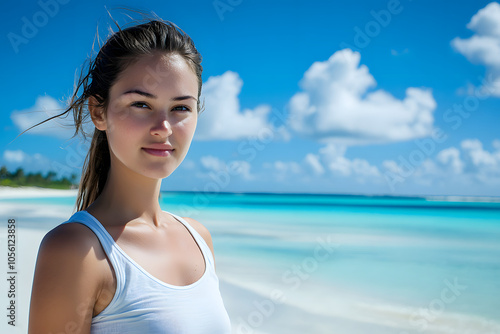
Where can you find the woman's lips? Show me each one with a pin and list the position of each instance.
(158, 152)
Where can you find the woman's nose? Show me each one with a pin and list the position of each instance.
(162, 128)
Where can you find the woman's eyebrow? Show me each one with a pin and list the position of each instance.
(146, 94)
(185, 97)
(140, 92)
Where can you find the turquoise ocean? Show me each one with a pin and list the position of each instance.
(295, 263)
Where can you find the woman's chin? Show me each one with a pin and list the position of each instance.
(158, 174)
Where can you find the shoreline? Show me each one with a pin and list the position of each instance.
(32, 191)
(35, 192)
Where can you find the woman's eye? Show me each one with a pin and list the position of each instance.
(140, 105)
(181, 108)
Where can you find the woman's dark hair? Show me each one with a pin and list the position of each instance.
(122, 49)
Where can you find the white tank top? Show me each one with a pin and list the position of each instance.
(144, 304)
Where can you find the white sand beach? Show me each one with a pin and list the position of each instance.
(27, 192)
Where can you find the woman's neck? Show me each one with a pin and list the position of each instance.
(128, 196)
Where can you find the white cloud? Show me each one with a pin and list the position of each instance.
(341, 166)
(429, 167)
(467, 169)
(363, 168)
(463, 167)
(336, 104)
(19, 158)
(332, 152)
(212, 163)
(480, 164)
(287, 169)
(44, 108)
(477, 159)
(188, 164)
(391, 166)
(329, 159)
(14, 156)
(239, 168)
(224, 120)
(484, 46)
(333, 157)
(486, 21)
(450, 160)
(243, 168)
(496, 145)
(284, 171)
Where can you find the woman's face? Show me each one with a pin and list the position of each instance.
(152, 115)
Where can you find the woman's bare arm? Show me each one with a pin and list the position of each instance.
(67, 281)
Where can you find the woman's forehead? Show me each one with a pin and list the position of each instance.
(158, 72)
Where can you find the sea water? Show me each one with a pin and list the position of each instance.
(348, 264)
(423, 265)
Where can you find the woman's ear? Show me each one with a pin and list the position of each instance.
(97, 114)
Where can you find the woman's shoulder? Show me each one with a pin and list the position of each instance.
(74, 236)
(69, 243)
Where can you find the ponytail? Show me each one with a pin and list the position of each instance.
(94, 172)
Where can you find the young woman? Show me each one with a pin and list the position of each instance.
(121, 264)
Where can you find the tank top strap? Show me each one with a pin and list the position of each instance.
(199, 239)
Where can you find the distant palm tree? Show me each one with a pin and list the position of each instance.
(4, 173)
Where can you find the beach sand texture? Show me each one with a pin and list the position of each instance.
(295, 280)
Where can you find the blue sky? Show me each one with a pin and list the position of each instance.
(366, 97)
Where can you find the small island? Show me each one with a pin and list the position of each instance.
(19, 179)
